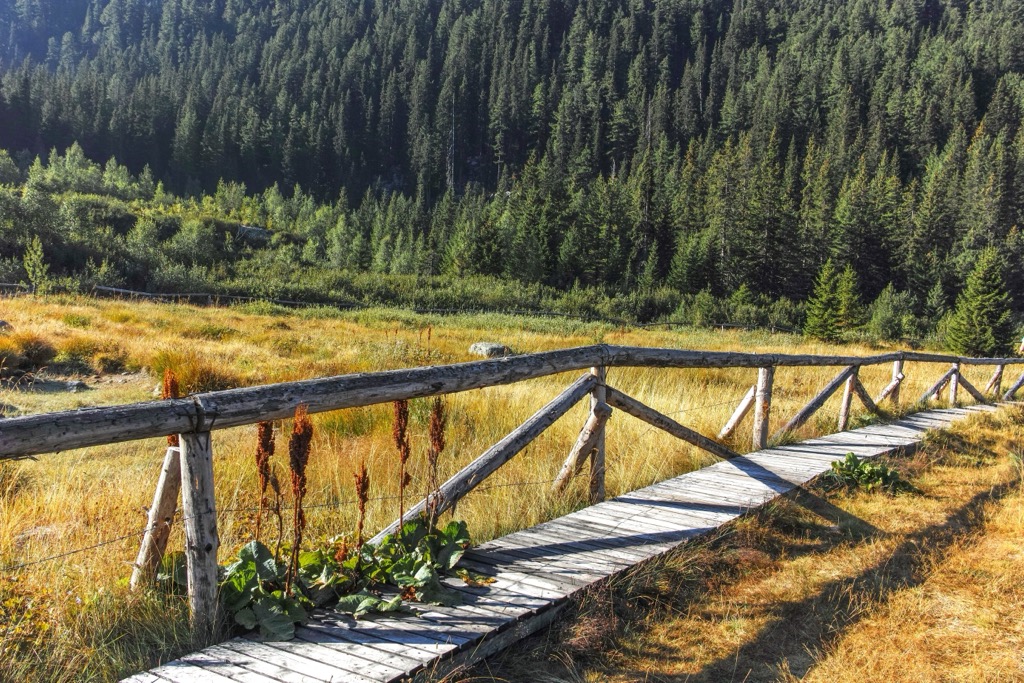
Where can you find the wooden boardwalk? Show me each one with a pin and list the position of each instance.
(538, 569)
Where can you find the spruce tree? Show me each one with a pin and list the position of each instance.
(850, 312)
(823, 308)
(981, 324)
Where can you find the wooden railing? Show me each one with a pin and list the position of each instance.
(189, 467)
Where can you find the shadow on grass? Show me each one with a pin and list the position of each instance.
(800, 629)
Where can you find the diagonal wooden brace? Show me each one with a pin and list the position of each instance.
(585, 444)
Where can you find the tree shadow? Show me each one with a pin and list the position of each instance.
(799, 629)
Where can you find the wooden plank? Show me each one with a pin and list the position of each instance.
(412, 645)
(652, 417)
(470, 476)
(289, 661)
(585, 443)
(199, 519)
(222, 666)
(258, 666)
(373, 670)
(384, 651)
(179, 671)
(746, 403)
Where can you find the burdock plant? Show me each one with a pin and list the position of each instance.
(400, 432)
(438, 419)
(298, 457)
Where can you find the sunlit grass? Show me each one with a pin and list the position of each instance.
(75, 500)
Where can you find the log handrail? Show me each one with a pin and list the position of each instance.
(54, 432)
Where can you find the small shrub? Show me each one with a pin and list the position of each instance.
(106, 362)
(36, 350)
(854, 473)
(210, 331)
(194, 372)
(11, 357)
(76, 320)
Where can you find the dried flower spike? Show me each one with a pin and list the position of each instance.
(168, 390)
(264, 451)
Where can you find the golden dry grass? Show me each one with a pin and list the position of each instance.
(909, 588)
(74, 500)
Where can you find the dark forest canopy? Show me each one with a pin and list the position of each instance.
(619, 144)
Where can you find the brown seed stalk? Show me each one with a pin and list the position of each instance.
(298, 457)
(170, 389)
(400, 433)
(438, 420)
(264, 451)
(362, 480)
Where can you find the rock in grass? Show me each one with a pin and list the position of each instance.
(5, 327)
(489, 349)
(77, 385)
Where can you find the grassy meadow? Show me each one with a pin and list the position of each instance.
(73, 618)
(834, 587)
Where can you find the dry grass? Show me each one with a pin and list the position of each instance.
(74, 500)
(870, 587)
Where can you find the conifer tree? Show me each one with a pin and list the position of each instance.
(850, 311)
(981, 324)
(823, 308)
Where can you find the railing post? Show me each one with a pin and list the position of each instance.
(954, 384)
(200, 523)
(995, 384)
(158, 527)
(763, 406)
(597, 467)
(844, 407)
(897, 377)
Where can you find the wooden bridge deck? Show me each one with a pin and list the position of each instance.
(538, 569)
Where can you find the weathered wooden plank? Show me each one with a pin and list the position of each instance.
(258, 666)
(290, 661)
(386, 652)
(222, 666)
(200, 523)
(345, 661)
(414, 646)
(652, 417)
(746, 403)
(470, 476)
(161, 514)
(180, 671)
(586, 442)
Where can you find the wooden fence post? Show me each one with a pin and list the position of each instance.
(741, 412)
(597, 466)
(200, 522)
(844, 406)
(954, 384)
(161, 513)
(897, 377)
(763, 406)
